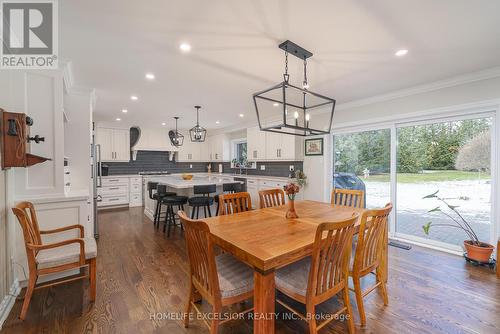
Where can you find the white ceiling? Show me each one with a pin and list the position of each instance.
(113, 43)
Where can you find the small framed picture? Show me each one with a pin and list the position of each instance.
(314, 146)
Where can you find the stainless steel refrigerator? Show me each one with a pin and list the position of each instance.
(96, 182)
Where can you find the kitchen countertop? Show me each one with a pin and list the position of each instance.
(260, 177)
(199, 179)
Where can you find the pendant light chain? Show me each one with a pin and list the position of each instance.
(305, 83)
(286, 76)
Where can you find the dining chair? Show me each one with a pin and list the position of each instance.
(348, 197)
(271, 197)
(234, 203)
(50, 258)
(221, 280)
(369, 254)
(227, 188)
(315, 279)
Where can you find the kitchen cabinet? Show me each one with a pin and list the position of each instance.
(219, 148)
(271, 146)
(253, 190)
(256, 144)
(115, 144)
(190, 151)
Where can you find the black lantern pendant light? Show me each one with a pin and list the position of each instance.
(285, 108)
(176, 138)
(197, 133)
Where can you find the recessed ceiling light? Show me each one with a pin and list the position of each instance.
(401, 52)
(242, 115)
(163, 123)
(118, 119)
(124, 111)
(217, 122)
(150, 76)
(134, 98)
(276, 104)
(185, 47)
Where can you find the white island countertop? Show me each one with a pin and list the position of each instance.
(176, 180)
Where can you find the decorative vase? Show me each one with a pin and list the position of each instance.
(480, 253)
(290, 212)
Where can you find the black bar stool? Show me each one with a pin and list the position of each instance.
(161, 192)
(152, 186)
(170, 202)
(204, 201)
(227, 188)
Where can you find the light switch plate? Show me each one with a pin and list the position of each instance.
(190, 166)
(262, 167)
(292, 168)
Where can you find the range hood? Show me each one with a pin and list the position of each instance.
(153, 139)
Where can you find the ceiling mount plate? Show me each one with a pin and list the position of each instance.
(295, 50)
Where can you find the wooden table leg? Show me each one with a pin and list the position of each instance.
(264, 299)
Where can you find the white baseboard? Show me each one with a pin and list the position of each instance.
(9, 301)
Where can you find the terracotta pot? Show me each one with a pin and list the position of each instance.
(480, 253)
(290, 212)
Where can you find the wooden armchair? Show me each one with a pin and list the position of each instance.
(271, 197)
(50, 258)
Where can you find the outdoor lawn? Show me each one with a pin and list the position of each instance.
(430, 176)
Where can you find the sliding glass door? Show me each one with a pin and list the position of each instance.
(362, 161)
(453, 161)
(406, 163)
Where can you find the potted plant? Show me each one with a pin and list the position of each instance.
(301, 178)
(475, 249)
(291, 189)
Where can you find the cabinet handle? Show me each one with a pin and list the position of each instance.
(114, 188)
(114, 199)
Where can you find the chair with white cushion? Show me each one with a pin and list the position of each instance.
(221, 280)
(50, 258)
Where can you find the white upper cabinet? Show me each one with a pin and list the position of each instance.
(256, 144)
(219, 148)
(115, 144)
(191, 151)
(265, 146)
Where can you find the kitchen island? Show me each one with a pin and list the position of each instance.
(175, 183)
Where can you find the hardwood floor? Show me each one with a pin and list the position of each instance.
(142, 278)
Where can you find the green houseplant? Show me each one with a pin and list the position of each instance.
(476, 249)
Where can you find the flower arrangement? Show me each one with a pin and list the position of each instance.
(291, 189)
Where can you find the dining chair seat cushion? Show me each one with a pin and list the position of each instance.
(52, 257)
(235, 277)
(201, 200)
(294, 277)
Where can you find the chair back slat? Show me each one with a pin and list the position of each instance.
(271, 197)
(200, 249)
(26, 216)
(348, 197)
(370, 246)
(330, 258)
(234, 203)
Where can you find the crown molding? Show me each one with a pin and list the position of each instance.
(462, 79)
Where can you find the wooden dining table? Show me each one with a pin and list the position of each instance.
(267, 241)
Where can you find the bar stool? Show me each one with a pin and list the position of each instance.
(170, 202)
(204, 200)
(161, 192)
(227, 188)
